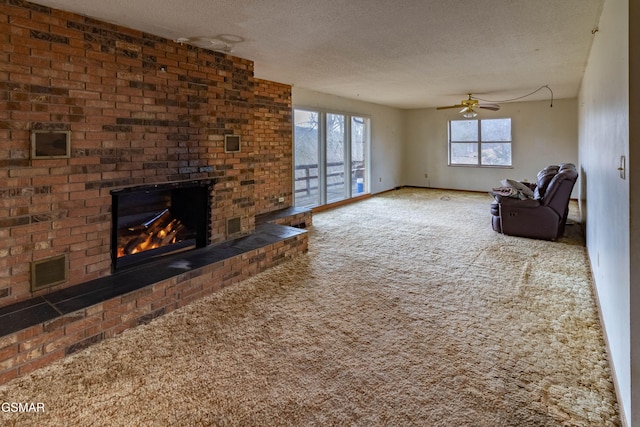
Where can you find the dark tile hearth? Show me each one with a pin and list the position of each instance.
(55, 304)
(280, 214)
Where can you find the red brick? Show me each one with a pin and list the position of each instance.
(148, 300)
(9, 352)
(81, 325)
(40, 340)
(29, 333)
(117, 309)
(62, 342)
(40, 362)
(8, 375)
(29, 355)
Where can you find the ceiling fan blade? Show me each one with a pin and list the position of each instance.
(492, 107)
(450, 106)
(468, 105)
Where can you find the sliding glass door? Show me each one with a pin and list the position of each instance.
(335, 164)
(359, 144)
(331, 156)
(306, 136)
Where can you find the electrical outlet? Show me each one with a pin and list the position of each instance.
(426, 175)
(281, 200)
(380, 179)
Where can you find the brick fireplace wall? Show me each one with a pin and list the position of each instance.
(141, 109)
(273, 136)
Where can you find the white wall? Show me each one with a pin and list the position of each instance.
(542, 135)
(387, 133)
(604, 137)
(634, 202)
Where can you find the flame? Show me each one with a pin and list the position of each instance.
(154, 235)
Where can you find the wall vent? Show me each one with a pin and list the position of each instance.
(232, 143)
(233, 226)
(48, 272)
(50, 144)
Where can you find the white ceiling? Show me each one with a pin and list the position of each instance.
(402, 53)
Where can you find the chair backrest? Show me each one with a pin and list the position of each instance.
(544, 178)
(558, 190)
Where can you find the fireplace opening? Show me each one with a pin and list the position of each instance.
(154, 220)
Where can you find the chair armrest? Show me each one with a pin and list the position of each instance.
(507, 202)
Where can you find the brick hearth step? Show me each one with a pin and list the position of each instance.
(44, 308)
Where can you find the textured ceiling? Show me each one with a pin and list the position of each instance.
(405, 53)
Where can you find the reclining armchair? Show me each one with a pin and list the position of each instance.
(542, 216)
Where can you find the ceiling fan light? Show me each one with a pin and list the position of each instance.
(469, 114)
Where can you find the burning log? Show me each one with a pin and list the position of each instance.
(152, 222)
(161, 230)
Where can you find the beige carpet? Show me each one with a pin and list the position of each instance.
(408, 310)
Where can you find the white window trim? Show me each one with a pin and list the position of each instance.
(479, 143)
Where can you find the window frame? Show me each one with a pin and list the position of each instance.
(478, 143)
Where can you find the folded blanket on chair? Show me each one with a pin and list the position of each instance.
(508, 192)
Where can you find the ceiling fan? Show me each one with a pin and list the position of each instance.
(468, 107)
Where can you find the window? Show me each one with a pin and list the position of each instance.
(480, 142)
(331, 156)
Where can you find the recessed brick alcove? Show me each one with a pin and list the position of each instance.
(140, 110)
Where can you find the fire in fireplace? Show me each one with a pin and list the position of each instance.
(153, 220)
(161, 230)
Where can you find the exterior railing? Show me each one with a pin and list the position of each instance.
(307, 177)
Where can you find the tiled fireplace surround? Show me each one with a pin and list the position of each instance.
(141, 110)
